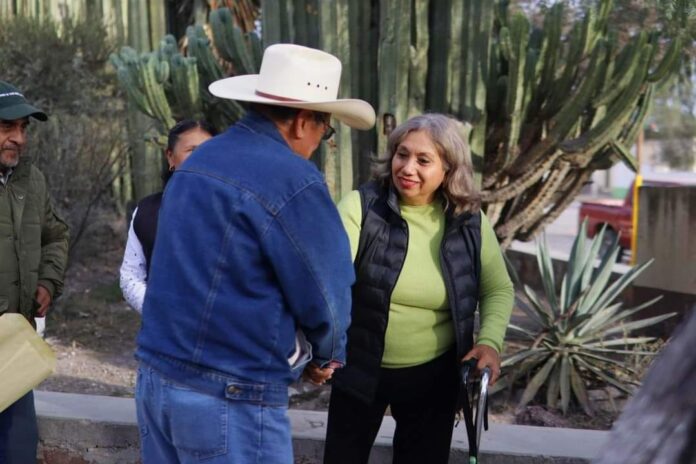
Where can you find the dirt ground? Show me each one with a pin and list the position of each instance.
(92, 330)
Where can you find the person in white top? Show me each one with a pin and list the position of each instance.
(183, 138)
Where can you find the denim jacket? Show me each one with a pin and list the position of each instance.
(249, 248)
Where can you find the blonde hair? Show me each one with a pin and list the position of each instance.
(449, 135)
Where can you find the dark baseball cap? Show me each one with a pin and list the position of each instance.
(13, 105)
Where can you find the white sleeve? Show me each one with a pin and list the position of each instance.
(134, 270)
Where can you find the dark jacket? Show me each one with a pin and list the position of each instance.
(33, 241)
(145, 224)
(249, 248)
(378, 263)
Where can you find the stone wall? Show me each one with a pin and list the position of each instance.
(667, 234)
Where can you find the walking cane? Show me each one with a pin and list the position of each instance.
(473, 405)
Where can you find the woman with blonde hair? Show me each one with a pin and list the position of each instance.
(425, 258)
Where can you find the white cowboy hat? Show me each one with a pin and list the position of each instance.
(297, 77)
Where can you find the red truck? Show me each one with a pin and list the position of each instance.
(617, 214)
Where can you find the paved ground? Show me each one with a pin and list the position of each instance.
(97, 429)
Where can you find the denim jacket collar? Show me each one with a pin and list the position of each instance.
(260, 124)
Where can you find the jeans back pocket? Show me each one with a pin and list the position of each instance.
(199, 422)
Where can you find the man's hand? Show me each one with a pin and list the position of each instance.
(487, 357)
(316, 374)
(43, 297)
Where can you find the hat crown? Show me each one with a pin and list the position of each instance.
(13, 104)
(297, 73)
(297, 77)
(10, 95)
(6, 87)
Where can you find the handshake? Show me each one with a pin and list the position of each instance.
(318, 375)
(312, 372)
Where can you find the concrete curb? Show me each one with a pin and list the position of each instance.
(85, 429)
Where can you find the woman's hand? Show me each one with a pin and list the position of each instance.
(487, 357)
(316, 374)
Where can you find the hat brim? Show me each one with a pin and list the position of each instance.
(356, 113)
(20, 111)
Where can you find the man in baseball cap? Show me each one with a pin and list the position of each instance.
(33, 254)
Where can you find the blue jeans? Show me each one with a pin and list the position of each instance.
(180, 425)
(19, 434)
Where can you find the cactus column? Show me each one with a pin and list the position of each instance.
(146, 160)
(476, 47)
(393, 67)
(334, 38)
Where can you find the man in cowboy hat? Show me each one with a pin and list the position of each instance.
(33, 254)
(251, 251)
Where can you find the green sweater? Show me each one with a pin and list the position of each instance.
(420, 324)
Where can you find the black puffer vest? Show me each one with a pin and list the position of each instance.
(145, 224)
(380, 258)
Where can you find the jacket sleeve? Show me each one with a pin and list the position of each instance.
(350, 210)
(133, 272)
(54, 249)
(496, 291)
(310, 255)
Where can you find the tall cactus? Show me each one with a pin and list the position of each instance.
(477, 75)
(144, 22)
(169, 84)
(333, 35)
(364, 41)
(393, 66)
(574, 108)
(548, 104)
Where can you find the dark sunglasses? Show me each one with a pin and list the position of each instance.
(329, 131)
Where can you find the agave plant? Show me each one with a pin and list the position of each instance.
(581, 336)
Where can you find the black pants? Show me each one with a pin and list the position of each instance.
(19, 434)
(422, 400)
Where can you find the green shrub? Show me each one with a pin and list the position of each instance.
(581, 336)
(61, 67)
